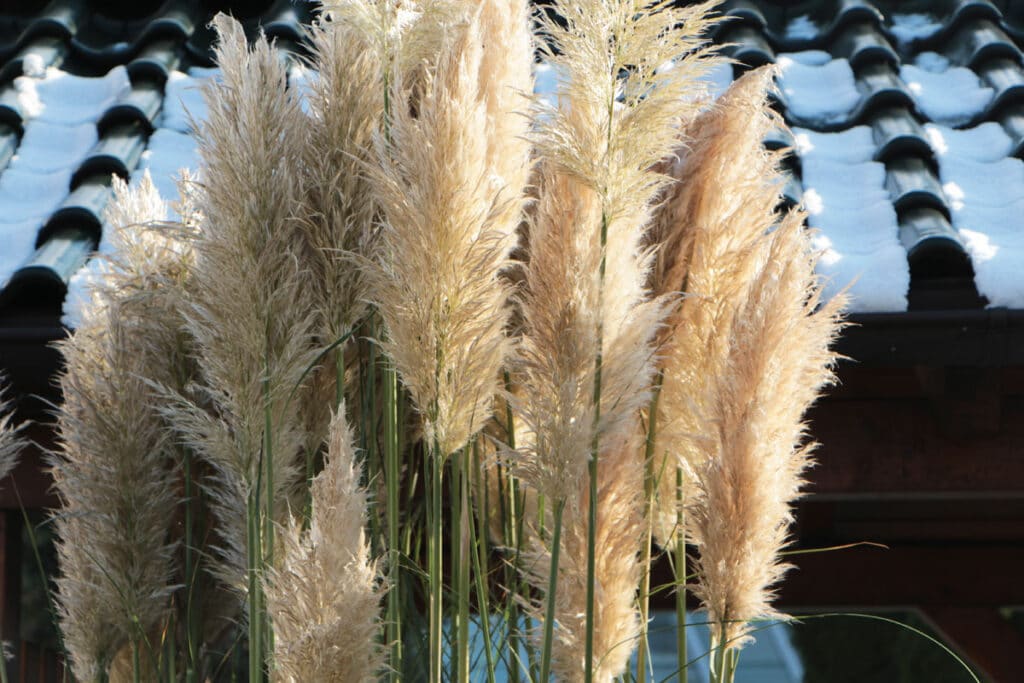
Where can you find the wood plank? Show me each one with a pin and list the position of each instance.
(949, 575)
(894, 447)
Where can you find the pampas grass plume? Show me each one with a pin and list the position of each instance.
(747, 353)
(324, 600)
(114, 469)
(253, 335)
(11, 442)
(446, 240)
(589, 321)
(707, 241)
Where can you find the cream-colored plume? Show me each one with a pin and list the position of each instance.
(451, 220)
(709, 225)
(745, 355)
(346, 111)
(248, 313)
(324, 600)
(589, 320)
(11, 443)
(778, 353)
(115, 468)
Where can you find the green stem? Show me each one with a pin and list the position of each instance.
(392, 474)
(549, 612)
(460, 561)
(649, 489)
(254, 556)
(680, 579)
(479, 550)
(435, 563)
(172, 651)
(191, 624)
(267, 557)
(136, 663)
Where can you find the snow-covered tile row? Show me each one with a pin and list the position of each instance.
(985, 192)
(60, 112)
(171, 147)
(855, 222)
(822, 90)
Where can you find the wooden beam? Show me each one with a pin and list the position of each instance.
(872, 448)
(947, 575)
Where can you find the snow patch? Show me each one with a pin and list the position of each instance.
(851, 146)
(801, 28)
(48, 147)
(983, 184)
(985, 142)
(822, 94)
(79, 296)
(719, 78)
(169, 151)
(60, 97)
(805, 57)
(910, 27)
(184, 98)
(27, 194)
(857, 231)
(33, 66)
(932, 61)
(952, 97)
(995, 243)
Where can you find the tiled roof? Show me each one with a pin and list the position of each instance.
(908, 135)
(88, 89)
(907, 119)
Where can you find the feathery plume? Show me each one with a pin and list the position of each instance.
(778, 349)
(446, 240)
(114, 469)
(745, 354)
(589, 322)
(253, 336)
(708, 244)
(10, 441)
(346, 111)
(324, 601)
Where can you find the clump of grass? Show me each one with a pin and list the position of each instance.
(590, 323)
(246, 310)
(115, 469)
(396, 209)
(324, 600)
(749, 354)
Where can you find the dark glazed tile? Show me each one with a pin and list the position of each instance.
(117, 152)
(912, 184)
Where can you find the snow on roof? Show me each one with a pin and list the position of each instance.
(908, 131)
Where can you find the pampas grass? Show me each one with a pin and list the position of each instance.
(709, 244)
(452, 171)
(437, 286)
(617, 117)
(324, 601)
(253, 328)
(747, 354)
(115, 469)
(488, 253)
